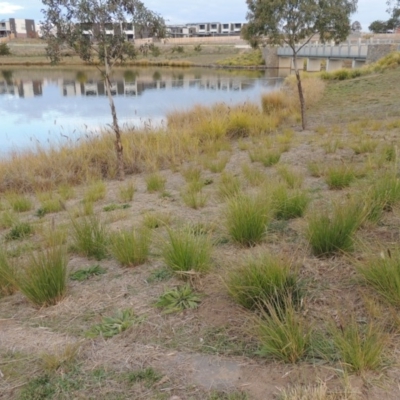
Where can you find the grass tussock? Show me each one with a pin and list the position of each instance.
(248, 58)
(131, 248)
(155, 182)
(126, 192)
(283, 334)
(7, 276)
(186, 252)
(90, 237)
(228, 186)
(44, 280)
(330, 233)
(313, 88)
(247, 218)
(19, 202)
(339, 176)
(382, 272)
(289, 203)
(262, 280)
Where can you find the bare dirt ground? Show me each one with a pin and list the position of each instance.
(211, 352)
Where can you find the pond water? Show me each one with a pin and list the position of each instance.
(52, 105)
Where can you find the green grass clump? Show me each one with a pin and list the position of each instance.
(7, 276)
(359, 347)
(90, 237)
(365, 146)
(288, 204)
(147, 375)
(85, 273)
(111, 326)
(48, 206)
(20, 230)
(248, 58)
(329, 234)
(216, 165)
(44, 280)
(178, 299)
(268, 157)
(66, 192)
(292, 178)
(383, 274)
(228, 185)
(247, 218)
(193, 197)
(382, 196)
(154, 220)
(191, 174)
(155, 183)
(19, 203)
(339, 177)
(283, 334)
(185, 251)
(131, 248)
(126, 192)
(263, 280)
(95, 192)
(7, 219)
(253, 175)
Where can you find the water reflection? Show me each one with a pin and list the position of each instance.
(45, 103)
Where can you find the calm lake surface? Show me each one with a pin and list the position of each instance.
(45, 105)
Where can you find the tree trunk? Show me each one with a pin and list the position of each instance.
(118, 144)
(300, 90)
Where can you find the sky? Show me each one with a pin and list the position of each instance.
(185, 11)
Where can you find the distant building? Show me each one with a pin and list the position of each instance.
(17, 28)
(205, 29)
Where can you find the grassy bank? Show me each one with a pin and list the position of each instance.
(240, 259)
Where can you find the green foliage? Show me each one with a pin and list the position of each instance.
(19, 203)
(154, 50)
(329, 234)
(293, 179)
(131, 248)
(193, 197)
(186, 252)
(148, 375)
(95, 192)
(44, 280)
(247, 218)
(111, 326)
(383, 274)
(159, 275)
(198, 48)
(339, 177)
(178, 299)
(40, 388)
(264, 280)
(86, 273)
(228, 185)
(288, 204)
(7, 276)
(216, 165)
(66, 192)
(19, 231)
(178, 49)
(113, 207)
(52, 205)
(90, 237)
(253, 175)
(283, 334)
(4, 50)
(126, 191)
(268, 157)
(359, 347)
(7, 219)
(152, 220)
(155, 183)
(248, 58)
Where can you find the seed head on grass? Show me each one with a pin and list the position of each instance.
(264, 280)
(283, 334)
(90, 237)
(247, 218)
(383, 274)
(185, 251)
(44, 280)
(131, 248)
(329, 234)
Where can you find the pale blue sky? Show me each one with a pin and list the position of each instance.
(183, 11)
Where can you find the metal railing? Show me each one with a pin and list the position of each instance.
(352, 51)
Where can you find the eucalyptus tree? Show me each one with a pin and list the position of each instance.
(95, 30)
(295, 23)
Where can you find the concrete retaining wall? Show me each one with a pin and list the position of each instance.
(377, 51)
